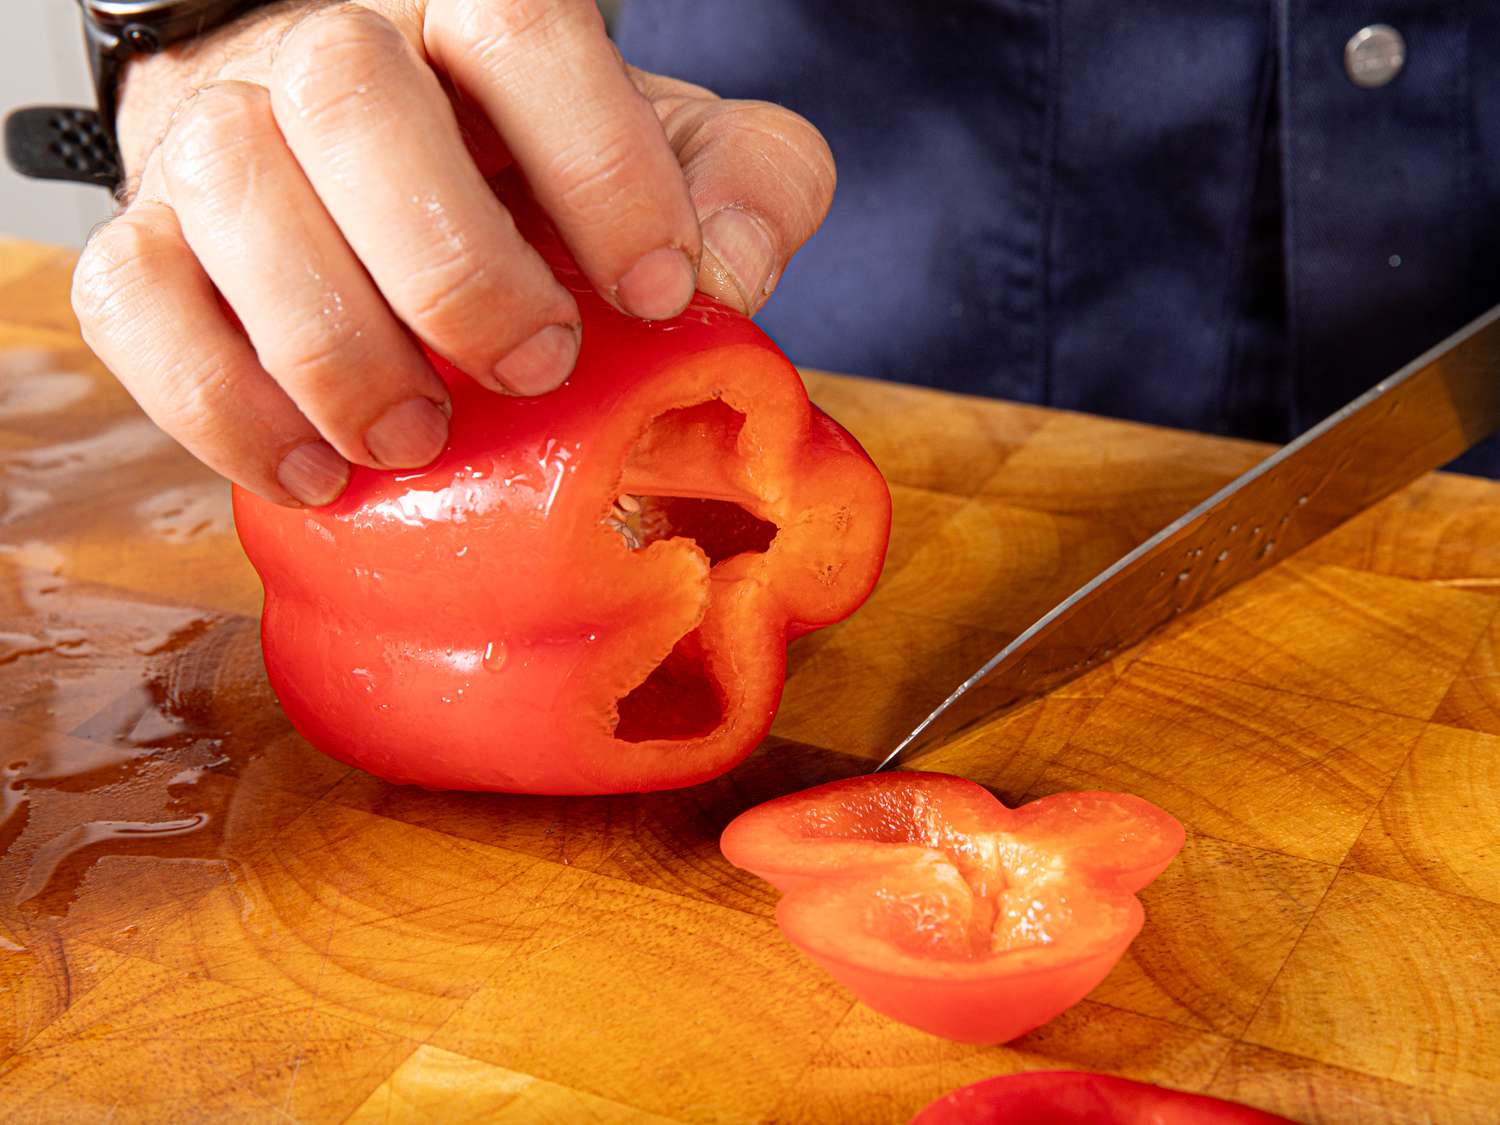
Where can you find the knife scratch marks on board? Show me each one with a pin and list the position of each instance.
(562, 941)
(291, 1085)
(317, 990)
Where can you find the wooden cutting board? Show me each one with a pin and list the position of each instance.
(202, 918)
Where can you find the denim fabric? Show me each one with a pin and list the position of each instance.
(1180, 211)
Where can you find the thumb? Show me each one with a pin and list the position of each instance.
(760, 177)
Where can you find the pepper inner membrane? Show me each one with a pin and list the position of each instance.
(991, 893)
(698, 446)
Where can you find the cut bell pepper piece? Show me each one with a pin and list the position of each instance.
(1072, 1097)
(589, 591)
(940, 907)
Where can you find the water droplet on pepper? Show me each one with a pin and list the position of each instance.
(496, 653)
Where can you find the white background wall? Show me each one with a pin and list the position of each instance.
(42, 60)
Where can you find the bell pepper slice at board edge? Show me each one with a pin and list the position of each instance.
(589, 591)
(1073, 1097)
(938, 906)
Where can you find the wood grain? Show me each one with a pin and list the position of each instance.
(203, 918)
(1394, 981)
(1269, 769)
(1304, 1090)
(1135, 477)
(1438, 825)
(872, 1069)
(1215, 945)
(1385, 644)
(437, 1085)
(1473, 701)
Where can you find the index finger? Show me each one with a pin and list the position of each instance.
(592, 149)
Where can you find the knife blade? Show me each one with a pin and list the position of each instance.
(1420, 418)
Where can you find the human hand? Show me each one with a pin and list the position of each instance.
(313, 164)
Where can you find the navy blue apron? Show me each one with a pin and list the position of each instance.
(1179, 211)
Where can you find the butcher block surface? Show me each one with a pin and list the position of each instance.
(202, 918)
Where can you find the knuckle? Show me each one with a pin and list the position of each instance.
(594, 178)
(447, 297)
(114, 286)
(490, 31)
(320, 356)
(331, 58)
(505, 40)
(214, 133)
(798, 139)
(192, 401)
(116, 265)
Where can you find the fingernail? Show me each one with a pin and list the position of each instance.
(542, 363)
(408, 435)
(658, 286)
(313, 473)
(742, 246)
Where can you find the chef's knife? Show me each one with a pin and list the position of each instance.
(1420, 418)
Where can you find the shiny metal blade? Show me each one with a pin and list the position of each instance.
(1419, 419)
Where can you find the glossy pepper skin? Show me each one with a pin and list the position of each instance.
(1072, 1097)
(500, 621)
(940, 907)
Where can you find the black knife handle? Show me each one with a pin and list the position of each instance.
(61, 142)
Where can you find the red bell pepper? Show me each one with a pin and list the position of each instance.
(1071, 1097)
(942, 908)
(590, 591)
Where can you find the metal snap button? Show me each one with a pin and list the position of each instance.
(1374, 55)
